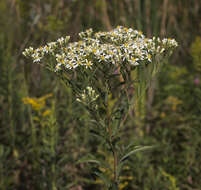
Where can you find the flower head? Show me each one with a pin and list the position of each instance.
(119, 45)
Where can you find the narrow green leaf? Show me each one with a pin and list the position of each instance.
(88, 159)
(139, 149)
(119, 168)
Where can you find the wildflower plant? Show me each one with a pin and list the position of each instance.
(101, 70)
(44, 133)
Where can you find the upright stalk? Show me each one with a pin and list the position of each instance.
(10, 110)
(115, 158)
(114, 153)
(115, 167)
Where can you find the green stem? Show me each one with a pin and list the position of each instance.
(54, 137)
(115, 156)
(113, 149)
(10, 110)
(115, 167)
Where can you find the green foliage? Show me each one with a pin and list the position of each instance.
(167, 114)
(196, 53)
(96, 60)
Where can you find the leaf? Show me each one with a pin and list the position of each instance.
(88, 159)
(96, 133)
(95, 122)
(64, 159)
(139, 149)
(113, 75)
(119, 168)
(68, 186)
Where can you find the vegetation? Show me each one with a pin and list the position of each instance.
(44, 131)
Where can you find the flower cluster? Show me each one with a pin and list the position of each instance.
(121, 45)
(50, 48)
(89, 95)
(36, 103)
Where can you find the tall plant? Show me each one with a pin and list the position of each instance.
(100, 69)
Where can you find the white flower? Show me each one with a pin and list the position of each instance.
(61, 41)
(149, 57)
(120, 44)
(28, 51)
(66, 39)
(46, 49)
(88, 96)
(88, 63)
(52, 45)
(134, 61)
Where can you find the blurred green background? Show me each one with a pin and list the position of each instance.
(43, 131)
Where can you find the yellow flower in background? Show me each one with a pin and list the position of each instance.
(15, 153)
(46, 113)
(162, 115)
(196, 53)
(171, 178)
(174, 102)
(123, 185)
(43, 98)
(124, 180)
(37, 103)
(177, 72)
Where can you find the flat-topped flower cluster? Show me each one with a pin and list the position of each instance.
(115, 47)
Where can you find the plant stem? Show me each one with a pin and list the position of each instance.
(115, 156)
(10, 109)
(113, 149)
(115, 166)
